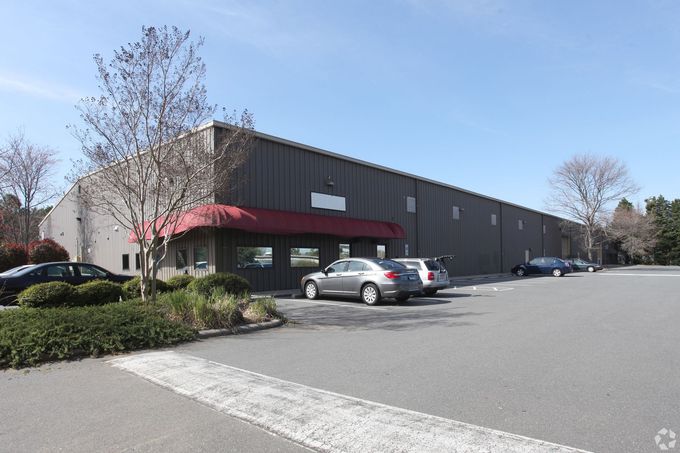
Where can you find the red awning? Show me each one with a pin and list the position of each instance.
(256, 220)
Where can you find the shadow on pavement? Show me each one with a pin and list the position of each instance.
(389, 317)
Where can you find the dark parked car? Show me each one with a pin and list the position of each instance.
(369, 279)
(16, 280)
(577, 264)
(543, 265)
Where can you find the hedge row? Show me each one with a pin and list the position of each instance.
(62, 294)
(29, 335)
(98, 292)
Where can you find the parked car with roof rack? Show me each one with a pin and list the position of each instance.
(369, 279)
(432, 273)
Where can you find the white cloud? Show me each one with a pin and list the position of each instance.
(38, 88)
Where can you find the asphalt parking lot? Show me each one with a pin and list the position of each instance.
(588, 360)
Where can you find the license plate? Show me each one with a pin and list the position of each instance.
(411, 277)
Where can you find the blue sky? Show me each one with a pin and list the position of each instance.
(489, 96)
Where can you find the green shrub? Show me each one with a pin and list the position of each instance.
(29, 336)
(52, 294)
(131, 288)
(230, 283)
(98, 292)
(179, 281)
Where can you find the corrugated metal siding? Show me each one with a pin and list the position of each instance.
(203, 237)
(282, 176)
(552, 239)
(481, 241)
(516, 241)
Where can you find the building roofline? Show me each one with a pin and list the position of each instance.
(283, 141)
(57, 203)
(324, 152)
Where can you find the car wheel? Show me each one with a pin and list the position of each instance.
(370, 295)
(521, 272)
(430, 292)
(591, 269)
(311, 291)
(557, 272)
(401, 299)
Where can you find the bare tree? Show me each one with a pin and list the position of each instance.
(634, 230)
(145, 157)
(583, 189)
(28, 170)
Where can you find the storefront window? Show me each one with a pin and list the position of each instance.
(254, 257)
(180, 259)
(380, 251)
(344, 251)
(304, 257)
(201, 258)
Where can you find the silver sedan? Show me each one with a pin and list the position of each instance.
(369, 279)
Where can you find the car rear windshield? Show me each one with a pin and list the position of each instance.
(432, 265)
(388, 264)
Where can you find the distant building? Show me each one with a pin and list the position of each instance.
(298, 208)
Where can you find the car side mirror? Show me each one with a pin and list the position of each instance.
(325, 272)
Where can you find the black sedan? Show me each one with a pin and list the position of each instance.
(582, 265)
(16, 280)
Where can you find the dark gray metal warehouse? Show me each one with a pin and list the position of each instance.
(281, 179)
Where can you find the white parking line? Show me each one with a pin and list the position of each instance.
(318, 419)
(340, 304)
(640, 275)
(483, 288)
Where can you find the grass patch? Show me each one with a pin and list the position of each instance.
(29, 336)
(219, 310)
(262, 309)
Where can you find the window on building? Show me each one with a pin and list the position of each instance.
(493, 219)
(456, 213)
(544, 230)
(343, 251)
(181, 259)
(410, 204)
(138, 262)
(254, 257)
(380, 251)
(201, 258)
(304, 257)
(126, 261)
(520, 224)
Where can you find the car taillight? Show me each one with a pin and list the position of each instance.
(430, 275)
(392, 275)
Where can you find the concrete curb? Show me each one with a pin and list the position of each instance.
(239, 329)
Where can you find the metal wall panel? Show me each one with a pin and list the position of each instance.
(480, 241)
(282, 175)
(552, 239)
(515, 241)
